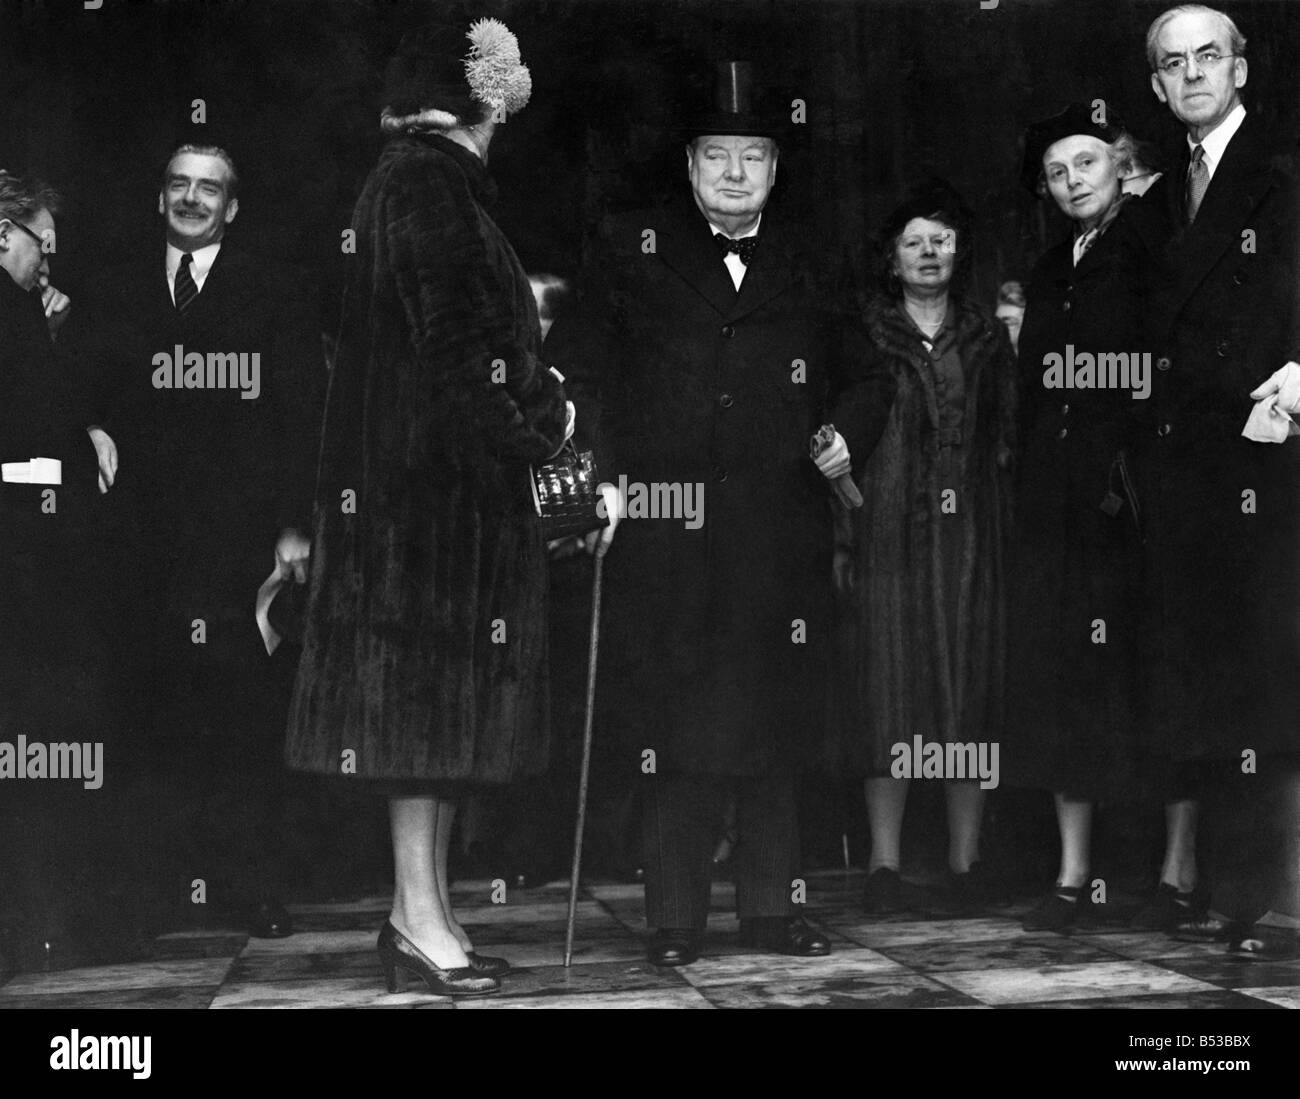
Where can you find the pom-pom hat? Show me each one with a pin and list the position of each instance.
(1077, 118)
(444, 75)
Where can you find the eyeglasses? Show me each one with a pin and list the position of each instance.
(19, 225)
(1205, 59)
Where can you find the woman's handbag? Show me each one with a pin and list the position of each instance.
(565, 494)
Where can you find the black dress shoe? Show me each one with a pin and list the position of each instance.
(674, 946)
(784, 935)
(967, 895)
(270, 921)
(1060, 910)
(1167, 907)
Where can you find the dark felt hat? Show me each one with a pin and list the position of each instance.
(1077, 118)
(428, 70)
(736, 107)
(933, 198)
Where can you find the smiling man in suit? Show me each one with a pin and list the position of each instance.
(211, 378)
(1222, 498)
(706, 355)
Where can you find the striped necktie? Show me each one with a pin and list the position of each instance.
(1198, 180)
(186, 289)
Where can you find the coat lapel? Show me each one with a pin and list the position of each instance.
(686, 246)
(769, 275)
(226, 290)
(1238, 187)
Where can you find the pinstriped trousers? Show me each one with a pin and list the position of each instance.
(681, 818)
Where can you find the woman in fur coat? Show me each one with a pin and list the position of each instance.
(919, 566)
(424, 656)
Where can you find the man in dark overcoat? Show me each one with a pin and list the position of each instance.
(210, 377)
(57, 862)
(706, 355)
(1222, 504)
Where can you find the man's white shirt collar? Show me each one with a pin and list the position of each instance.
(204, 258)
(735, 268)
(1215, 143)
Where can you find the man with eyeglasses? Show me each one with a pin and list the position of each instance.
(1222, 499)
(54, 682)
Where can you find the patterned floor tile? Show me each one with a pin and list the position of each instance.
(1025, 952)
(1236, 970)
(1149, 945)
(588, 978)
(679, 997)
(879, 991)
(881, 934)
(1288, 996)
(188, 996)
(152, 974)
(753, 968)
(1098, 980)
(1213, 1000)
(902, 961)
(351, 991)
(254, 968)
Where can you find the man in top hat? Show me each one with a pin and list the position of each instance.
(1221, 485)
(706, 355)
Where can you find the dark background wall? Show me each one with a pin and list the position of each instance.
(895, 90)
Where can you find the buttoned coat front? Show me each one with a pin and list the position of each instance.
(717, 634)
(1222, 667)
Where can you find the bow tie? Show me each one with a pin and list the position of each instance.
(744, 247)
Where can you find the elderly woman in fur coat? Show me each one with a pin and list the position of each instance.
(919, 566)
(424, 658)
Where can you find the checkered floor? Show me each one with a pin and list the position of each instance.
(890, 962)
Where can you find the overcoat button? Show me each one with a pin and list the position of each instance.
(1065, 410)
(728, 331)
(1164, 429)
(1063, 433)
(726, 400)
(1238, 277)
(1163, 363)
(719, 473)
(1221, 349)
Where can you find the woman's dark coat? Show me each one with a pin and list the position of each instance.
(425, 638)
(921, 644)
(1076, 565)
(716, 639)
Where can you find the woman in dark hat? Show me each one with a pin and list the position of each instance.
(424, 657)
(1076, 570)
(919, 565)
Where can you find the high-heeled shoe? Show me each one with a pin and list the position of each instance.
(396, 952)
(487, 966)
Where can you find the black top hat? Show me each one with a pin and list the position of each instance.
(1077, 118)
(734, 109)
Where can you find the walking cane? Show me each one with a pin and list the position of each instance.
(601, 547)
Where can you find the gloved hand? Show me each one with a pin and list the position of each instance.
(834, 460)
(1270, 420)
